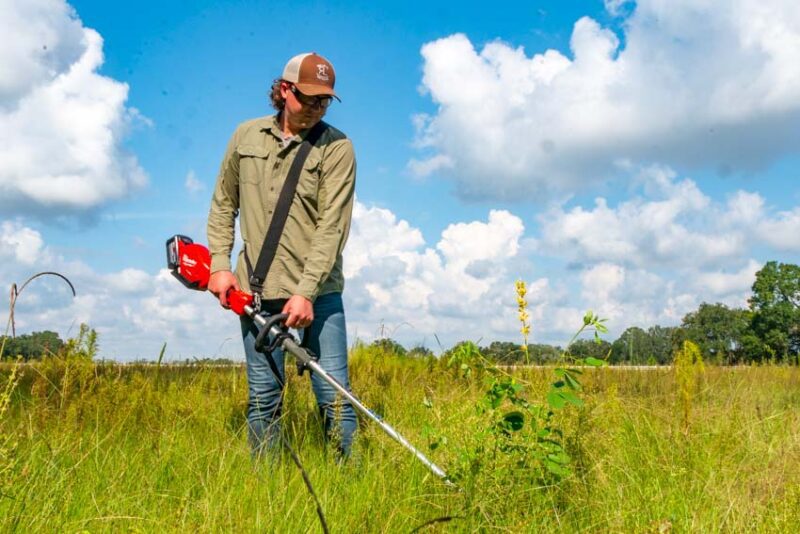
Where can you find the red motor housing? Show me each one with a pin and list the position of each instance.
(190, 263)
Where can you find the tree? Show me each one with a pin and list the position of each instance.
(631, 347)
(636, 346)
(775, 305)
(718, 331)
(585, 348)
(508, 353)
(663, 340)
(32, 346)
(504, 352)
(541, 353)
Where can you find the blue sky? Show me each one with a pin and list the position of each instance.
(199, 68)
(633, 158)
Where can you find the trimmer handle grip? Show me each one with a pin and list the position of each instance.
(237, 300)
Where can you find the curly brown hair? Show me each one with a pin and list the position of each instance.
(278, 102)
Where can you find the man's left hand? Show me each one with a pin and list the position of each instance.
(300, 310)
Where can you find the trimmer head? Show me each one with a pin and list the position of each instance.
(189, 262)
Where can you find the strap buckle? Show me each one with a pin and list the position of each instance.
(256, 286)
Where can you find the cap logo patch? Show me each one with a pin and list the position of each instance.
(322, 72)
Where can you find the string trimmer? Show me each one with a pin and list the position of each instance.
(190, 263)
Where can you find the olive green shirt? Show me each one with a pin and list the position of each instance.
(308, 261)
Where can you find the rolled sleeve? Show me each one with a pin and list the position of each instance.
(336, 194)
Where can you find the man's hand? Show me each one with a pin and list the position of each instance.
(300, 310)
(220, 283)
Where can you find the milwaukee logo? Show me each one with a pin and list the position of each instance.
(187, 261)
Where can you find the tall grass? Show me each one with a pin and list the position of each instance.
(103, 447)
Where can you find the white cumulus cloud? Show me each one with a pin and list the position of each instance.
(712, 84)
(782, 231)
(671, 224)
(133, 311)
(192, 184)
(645, 261)
(445, 290)
(20, 244)
(62, 123)
(727, 287)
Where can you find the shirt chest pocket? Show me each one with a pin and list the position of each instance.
(308, 185)
(253, 164)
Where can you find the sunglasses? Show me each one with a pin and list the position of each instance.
(312, 101)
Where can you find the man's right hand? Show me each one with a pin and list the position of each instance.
(220, 283)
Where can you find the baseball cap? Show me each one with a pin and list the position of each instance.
(312, 74)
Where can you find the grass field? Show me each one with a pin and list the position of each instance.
(88, 447)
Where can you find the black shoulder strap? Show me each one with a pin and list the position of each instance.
(270, 246)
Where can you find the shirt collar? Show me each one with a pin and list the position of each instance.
(273, 126)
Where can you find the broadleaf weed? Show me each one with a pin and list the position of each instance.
(519, 443)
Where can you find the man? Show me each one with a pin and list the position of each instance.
(305, 278)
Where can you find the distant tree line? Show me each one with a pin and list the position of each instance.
(767, 330)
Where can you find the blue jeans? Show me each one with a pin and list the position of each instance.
(327, 338)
